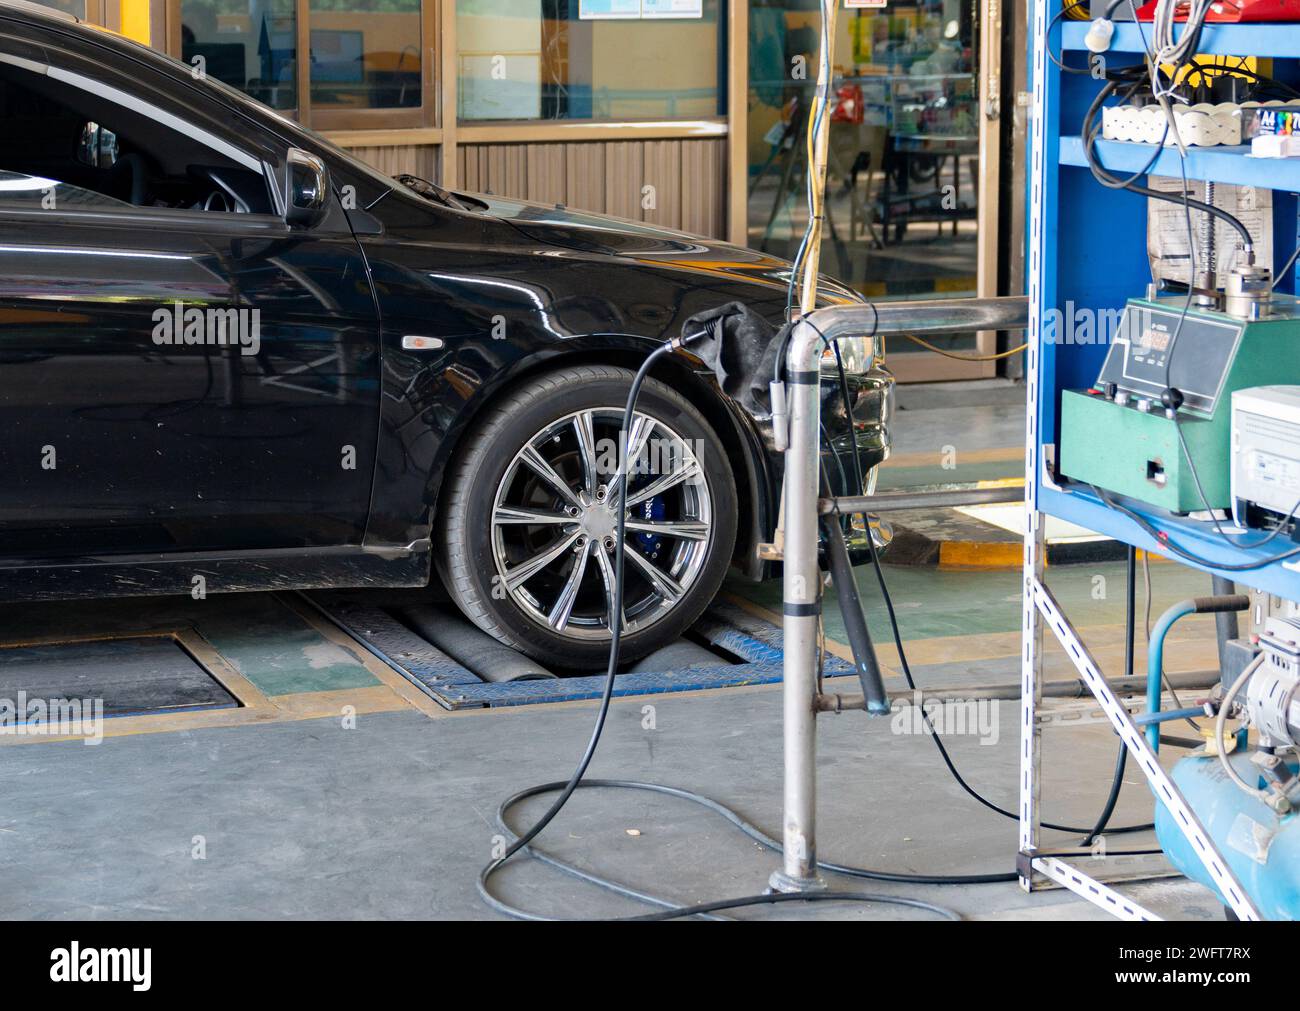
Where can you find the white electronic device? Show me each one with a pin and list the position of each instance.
(1265, 451)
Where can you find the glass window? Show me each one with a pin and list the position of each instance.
(17, 189)
(82, 149)
(365, 54)
(74, 7)
(903, 168)
(589, 59)
(249, 44)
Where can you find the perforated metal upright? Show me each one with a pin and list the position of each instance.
(1087, 250)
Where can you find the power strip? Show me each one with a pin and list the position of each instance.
(1202, 125)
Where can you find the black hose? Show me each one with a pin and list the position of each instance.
(567, 787)
(934, 736)
(1225, 622)
(907, 670)
(1121, 760)
(1103, 176)
(616, 633)
(745, 826)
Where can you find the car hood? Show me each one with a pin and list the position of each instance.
(650, 245)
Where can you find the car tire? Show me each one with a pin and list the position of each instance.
(684, 530)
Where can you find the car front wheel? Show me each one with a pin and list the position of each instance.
(529, 521)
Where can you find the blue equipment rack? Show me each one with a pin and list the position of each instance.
(1087, 245)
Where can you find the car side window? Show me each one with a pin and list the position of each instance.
(17, 189)
(108, 150)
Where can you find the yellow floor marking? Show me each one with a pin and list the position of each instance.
(311, 705)
(955, 283)
(981, 554)
(280, 709)
(63, 638)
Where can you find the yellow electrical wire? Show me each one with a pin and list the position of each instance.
(965, 358)
(1072, 10)
(1079, 10)
(817, 180)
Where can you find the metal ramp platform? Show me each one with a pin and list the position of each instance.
(756, 646)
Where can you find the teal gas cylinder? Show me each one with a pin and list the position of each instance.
(1262, 849)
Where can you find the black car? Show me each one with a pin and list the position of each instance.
(233, 357)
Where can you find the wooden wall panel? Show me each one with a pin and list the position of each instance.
(662, 169)
(704, 192)
(624, 170)
(417, 159)
(471, 166)
(689, 176)
(545, 173)
(584, 175)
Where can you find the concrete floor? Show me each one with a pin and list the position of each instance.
(338, 791)
(393, 817)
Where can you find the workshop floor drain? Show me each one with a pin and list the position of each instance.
(133, 676)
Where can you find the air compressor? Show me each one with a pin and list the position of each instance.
(1248, 799)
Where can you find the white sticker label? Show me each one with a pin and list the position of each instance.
(1250, 838)
(1268, 468)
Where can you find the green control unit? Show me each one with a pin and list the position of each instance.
(1121, 435)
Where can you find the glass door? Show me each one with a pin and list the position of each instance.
(905, 180)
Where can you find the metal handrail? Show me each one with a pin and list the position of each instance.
(801, 581)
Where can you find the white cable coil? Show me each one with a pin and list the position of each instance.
(1167, 51)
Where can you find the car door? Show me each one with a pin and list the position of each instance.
(180, 370)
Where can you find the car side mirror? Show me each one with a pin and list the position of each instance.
(307, 187)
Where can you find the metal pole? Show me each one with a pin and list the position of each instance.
(802, 610)
(836, 703)
(802, 583)
(801, 615)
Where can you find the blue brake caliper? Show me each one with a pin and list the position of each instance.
(650, 509)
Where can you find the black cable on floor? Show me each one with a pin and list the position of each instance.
(567, 787)
(1121, 760)
(934, 736)
(911, 683)
(670, 910)
(745, 826)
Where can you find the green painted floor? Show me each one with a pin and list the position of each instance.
(932, 602)
(263, 638)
